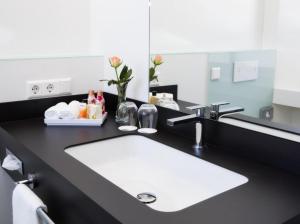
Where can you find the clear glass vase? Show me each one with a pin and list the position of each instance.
(121, 98)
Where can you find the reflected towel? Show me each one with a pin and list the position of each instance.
(25, 203)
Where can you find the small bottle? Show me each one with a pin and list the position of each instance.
(94, 111)
(91, 97)
(101, 101)
(83, 110)
(153, 98)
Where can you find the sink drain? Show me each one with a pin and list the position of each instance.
(146, 198)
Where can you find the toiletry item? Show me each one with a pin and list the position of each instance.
(91, 97)
(101, 101)
(25, 204)
(94, 111)
(153, 98)
(83, 110)
(147, 115)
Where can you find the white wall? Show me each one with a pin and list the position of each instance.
(85, 73)
(189, 72)
(270, 24)
(288, 36)
(206, 25)
(34, 28)
(127, 32)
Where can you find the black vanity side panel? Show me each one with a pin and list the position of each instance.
(66, 204)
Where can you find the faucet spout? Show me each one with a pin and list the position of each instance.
(181, 120)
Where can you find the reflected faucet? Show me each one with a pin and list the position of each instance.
(200, 112)
(215, 112)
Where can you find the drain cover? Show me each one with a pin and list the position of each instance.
(146, 198)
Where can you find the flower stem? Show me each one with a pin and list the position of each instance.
(117, 75)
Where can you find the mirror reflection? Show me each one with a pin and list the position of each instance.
(242, 52)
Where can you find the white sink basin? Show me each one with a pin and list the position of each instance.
(137, 164)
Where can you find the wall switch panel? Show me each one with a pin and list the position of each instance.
(48, 88)
(245, 71)
(215, 73)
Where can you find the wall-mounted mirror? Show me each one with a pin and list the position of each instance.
(243, 52)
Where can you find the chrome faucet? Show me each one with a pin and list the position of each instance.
(200, 112)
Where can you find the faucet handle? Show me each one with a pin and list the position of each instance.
(198, 109)
(216, 106)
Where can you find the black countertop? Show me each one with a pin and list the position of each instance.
(270, 197)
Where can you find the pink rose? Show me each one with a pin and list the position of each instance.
(158, 60)
(115, 61)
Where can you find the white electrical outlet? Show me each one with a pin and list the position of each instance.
(51, 87)
(34, 89)
(48, 88)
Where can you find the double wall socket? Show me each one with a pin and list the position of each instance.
(46, 88)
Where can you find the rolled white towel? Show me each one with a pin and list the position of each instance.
(59, 111)
(54, 112)
(51, 113)
(64, 111)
